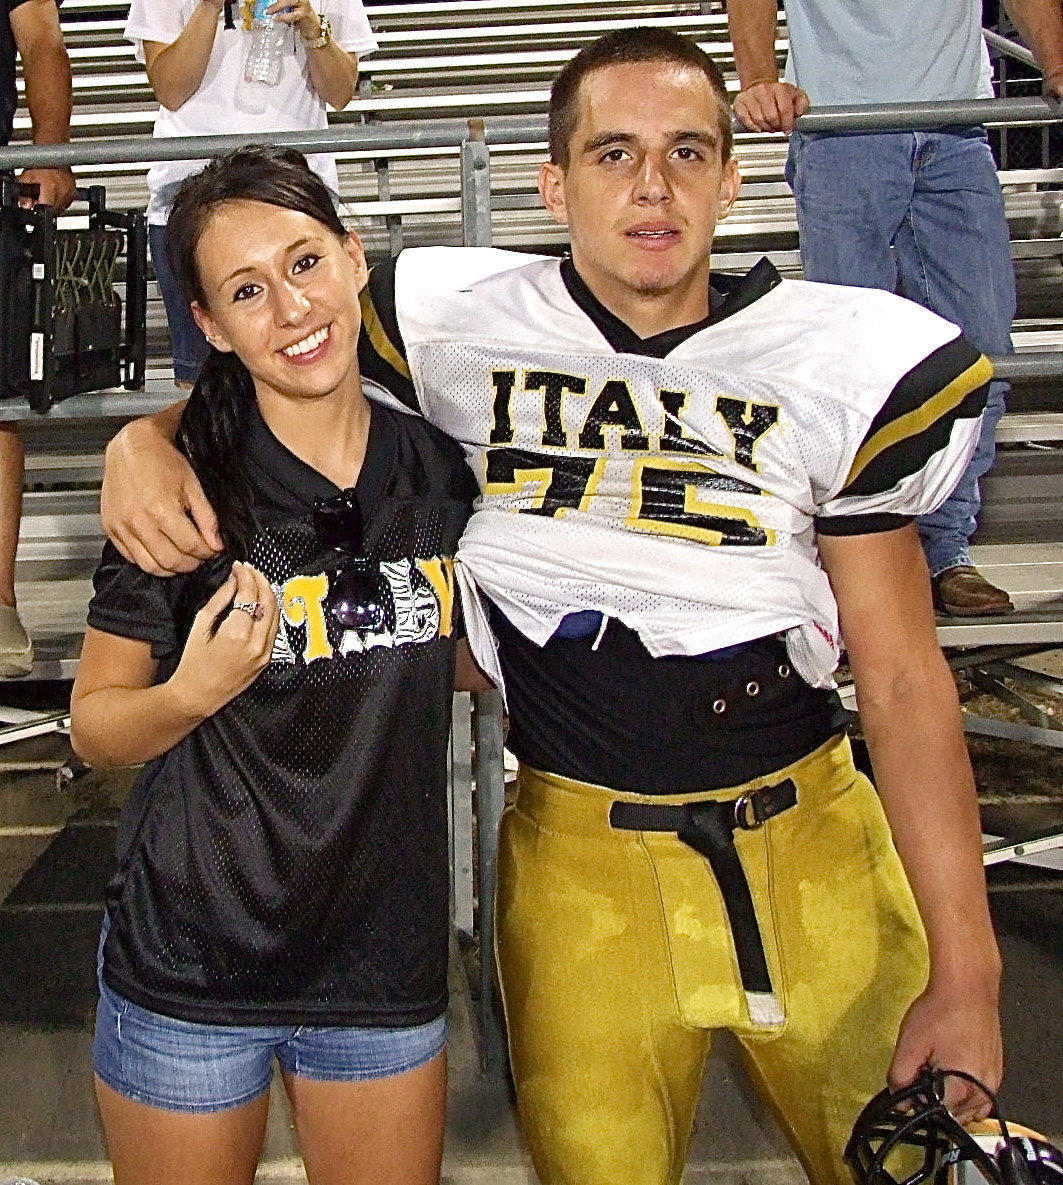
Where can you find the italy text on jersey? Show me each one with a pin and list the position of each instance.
(664, 481)
(416, 602)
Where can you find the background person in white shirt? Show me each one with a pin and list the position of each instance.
(196, 68)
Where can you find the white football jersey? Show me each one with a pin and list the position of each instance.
(679, 493)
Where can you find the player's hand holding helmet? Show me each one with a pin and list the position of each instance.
(907, 1136)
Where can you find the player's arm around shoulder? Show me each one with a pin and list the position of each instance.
(910, 715)
(152, 505)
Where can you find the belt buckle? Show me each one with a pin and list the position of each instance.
(745, 813)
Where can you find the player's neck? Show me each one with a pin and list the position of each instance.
(650, 316)
(646, 312)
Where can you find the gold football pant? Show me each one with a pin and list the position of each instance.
(617, 961)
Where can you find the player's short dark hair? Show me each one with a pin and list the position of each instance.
(642, 43)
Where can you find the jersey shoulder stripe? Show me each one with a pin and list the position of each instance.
(381, 350)
(917, 418)
(418, 288)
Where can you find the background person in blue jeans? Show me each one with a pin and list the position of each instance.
(917, 212)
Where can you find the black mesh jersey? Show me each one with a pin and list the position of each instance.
(286, 862)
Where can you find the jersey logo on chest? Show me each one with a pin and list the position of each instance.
(598, 450)
(418, 608)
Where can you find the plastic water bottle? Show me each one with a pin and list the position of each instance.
(268, 46)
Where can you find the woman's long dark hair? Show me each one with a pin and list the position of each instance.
(214, 426)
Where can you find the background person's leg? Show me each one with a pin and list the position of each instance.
(16, 650)
(189, 346)
(954, 257)
(852, 194)
(383, 1131)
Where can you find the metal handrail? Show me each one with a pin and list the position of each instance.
(1012, 48)
(505, 129)
(880, 117)
(1030, 364)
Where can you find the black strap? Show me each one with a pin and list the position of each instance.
(711, 832)
(229, 22)
(708, 828)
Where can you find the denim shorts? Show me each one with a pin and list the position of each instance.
(180, 1065)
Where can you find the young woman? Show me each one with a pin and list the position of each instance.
(282, 889)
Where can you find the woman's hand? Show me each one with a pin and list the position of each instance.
(230, 642)
(301, 14)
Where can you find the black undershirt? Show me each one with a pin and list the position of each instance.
(618, 717)
(604, 710)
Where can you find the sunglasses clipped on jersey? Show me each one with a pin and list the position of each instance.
(357, 597)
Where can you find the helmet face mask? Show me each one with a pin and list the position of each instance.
(907, 1137)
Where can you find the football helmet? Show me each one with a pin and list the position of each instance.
(906, 1137)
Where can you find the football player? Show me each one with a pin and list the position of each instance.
(692, 487)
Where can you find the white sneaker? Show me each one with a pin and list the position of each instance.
(16, 650)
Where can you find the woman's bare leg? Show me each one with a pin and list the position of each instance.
(385, 1131)
(150, 1146)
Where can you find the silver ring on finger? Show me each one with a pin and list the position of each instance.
(252, 608)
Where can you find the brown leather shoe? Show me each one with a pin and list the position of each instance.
(964, 592)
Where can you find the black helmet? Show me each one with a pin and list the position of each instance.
(906, 1137)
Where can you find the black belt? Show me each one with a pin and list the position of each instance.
(709, 827)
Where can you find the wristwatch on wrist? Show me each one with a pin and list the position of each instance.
(323, 38)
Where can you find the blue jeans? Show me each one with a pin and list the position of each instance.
(187, 342)
(920, 213)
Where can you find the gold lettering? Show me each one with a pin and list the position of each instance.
(304, 604)
(440, 573)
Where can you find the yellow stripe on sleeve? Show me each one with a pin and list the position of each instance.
(919, 420)
(378, 337)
